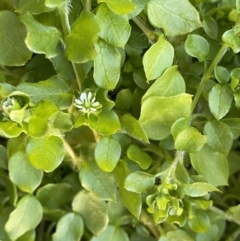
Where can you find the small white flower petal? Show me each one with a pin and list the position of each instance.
(95, 104)
(92, 109)
(89, 96)
(78, 101)
(93, 100)
(83, 97)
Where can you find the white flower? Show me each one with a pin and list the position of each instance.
(87, 103)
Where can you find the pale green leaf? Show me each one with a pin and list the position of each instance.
(105, 123)
(179, 125)
(93, 210)
(219, 136)
(234, 125)
(79, 43)
(156, 121)
(10, 129)
(133, 128)
(54, 89)
(97, 181)
(177, 235)
(106, 65)
(212, 165)
(220, 100)
(139, 182)
(23, 174)
(123, 100)
(69, 227)
(190, 140)
(175, 17)
(200, 222)
(137, 155)
(112, 233)
(210, 27)
(197, 46)
(158, 58)
(199, 189)
(238, 5)
(119, 6)
(45, 153)
(169, 84)
(234, 213)
(13, 51)
(221, 74)
(107, 153)
(19, 222)
(114, 29)
(32, 6)
(232, 39)
(131, 200)
(28, 236)
(40, 39)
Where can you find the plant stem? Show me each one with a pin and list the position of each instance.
(147, 221)
(66, 31)
(76, 160)
(87, 5)
(207, 74)
(142, 25)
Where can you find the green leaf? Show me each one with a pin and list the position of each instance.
(79, 43)
(200, 222)
(177, 235)
(107, 123)
(54, 89)
(133, 128)
(175, 17)
(10, 129)
(219, 136)
(40, 39)
(234, 125)
(221, 74)
(23, 174)
(190, 140)
(210, 27)
(32, 6)
(28, 236)
(232, 39)
(131, 200)
(13, 51)
(119, 6)
(156, 121)
(139, 182)
(19, 222)
(45, 153)
(112, 233)
(69, 227)
(234, 213)
(106, 65)
(52, 202)
(197, 46)
(63, 121)
(212, 165)
(220, 100)
(135, 154)
(97, 181)
(4, 157)
(119, 25)
(107, 153)
(158, 58)
(199, 189)
(169, 84)
(93, 210)
(123, 100)
(179, 125)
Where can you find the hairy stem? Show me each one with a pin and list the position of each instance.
(66, 31)
(87, 4)
(207, 74)
(142, 25)
(76, 160)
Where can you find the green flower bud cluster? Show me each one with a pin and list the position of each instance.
(10, 104)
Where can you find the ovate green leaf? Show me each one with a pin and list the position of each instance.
(177, 235)
(69, 227)
(32, 6)
(210, 27)
(45, 153)
(114, 29)
(139, 182)
(200, 222)
(107, 153)
(19, 222)
(197, 46)
(219, 136)
(175, 17)
(169, 84)
(221, 74)
(212, 165)
(106, 65)
(198, 189)
(10, 129)
(220, 100)
(13, 51)
(93, 210)
(158, 58)
(23, 174)
(157, 121)
(119, 6)
(232, 39)
(97, 181)
(79, 43)
(112, 233)
(40, 39)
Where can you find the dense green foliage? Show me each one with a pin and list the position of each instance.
(119, 120)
